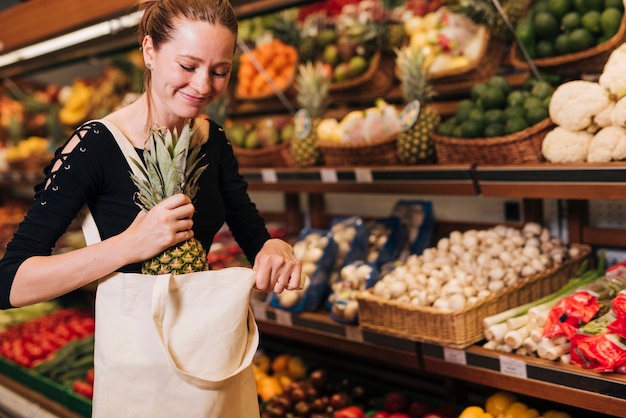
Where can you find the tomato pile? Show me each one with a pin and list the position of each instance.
(32, 342)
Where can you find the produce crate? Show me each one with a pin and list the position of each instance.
(520, 147)
(589, 61)
(58, 393)
(464, 327)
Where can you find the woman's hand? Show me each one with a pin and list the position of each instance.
(276, 267)
(166, 224)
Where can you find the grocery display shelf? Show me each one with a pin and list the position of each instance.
(553, 181)
(562, 383)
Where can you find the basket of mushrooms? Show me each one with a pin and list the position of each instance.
(442, 295)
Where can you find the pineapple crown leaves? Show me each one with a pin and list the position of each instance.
(312, 84)
(486, 13)
(413, 65)
(169, 167)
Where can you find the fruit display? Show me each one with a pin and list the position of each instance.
(451, 41)
(497, 109)
(312, 84)
(559, 27)
(264, 133)
(11, 214)
(31, 152)
(503, 404)
(590, 117)
(268, 67)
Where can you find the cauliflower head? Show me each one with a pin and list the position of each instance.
(574, 104)
(562, 145)
(618, 114)
(603, 144)
(613, 76)
(603, 119)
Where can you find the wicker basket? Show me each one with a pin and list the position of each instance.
(590, 61)
(365, 77)
(464, 327)
(276, 156)
(365, 153)
(520, 147)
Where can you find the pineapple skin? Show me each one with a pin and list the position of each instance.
(304, 151)
(187, 257)
(416, 146)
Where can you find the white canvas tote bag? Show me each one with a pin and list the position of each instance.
(173, 345)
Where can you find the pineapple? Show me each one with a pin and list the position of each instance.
(171, 167)
(312, 83)
(415, 145)
(484, 12)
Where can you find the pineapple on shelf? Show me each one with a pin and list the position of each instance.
(171, 167)
(312, 83)
(484, 12)
(415, 144)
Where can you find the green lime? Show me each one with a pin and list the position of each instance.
(515, 124)
(525, 31)
(610, 20)
(477, 115)
(494, 129)
(542, 89)
(558, 8)
(570, 21)
(540, 6)
(447, 128)
(494, 116)
(457, 132)
(618, 4)
(591, 22)
(501, 83)
(513, 112)
(531, 102)
(471, 129)
(463, 109)
(536, 115)
(545, 48)
(580, 6)
(546, 25)
(546, 102)
(580, 39)
(597, 5)
(515, 98)
(477, 90)
(493, 98)
(561, 44)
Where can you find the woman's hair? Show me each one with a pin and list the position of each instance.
(159, 15)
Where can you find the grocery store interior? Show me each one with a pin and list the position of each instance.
(449, 173)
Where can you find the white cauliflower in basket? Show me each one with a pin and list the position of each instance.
(604, 143)
(613, 77)
(603, 119)
(562, 145)
(574, 104)
(618, 114)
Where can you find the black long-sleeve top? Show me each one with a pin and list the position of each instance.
(96, 173)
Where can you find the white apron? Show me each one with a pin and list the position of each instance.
(173, 346)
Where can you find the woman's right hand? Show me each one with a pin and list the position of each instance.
(166, 224)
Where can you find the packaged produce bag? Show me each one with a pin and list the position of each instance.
(173, 345)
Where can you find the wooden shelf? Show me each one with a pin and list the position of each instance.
(566, 384)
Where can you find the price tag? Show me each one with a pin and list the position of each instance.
(454, 355)
(259, 310)
(328, 175)
(363, 175)
(513, 367)
(283, 317)
(354, 333)
(269, 175)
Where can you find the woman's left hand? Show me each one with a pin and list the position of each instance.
(276, 267)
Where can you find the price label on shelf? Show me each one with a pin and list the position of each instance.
(283, 317)
(354, 333)
(363, 175)
(454, 355)
(269, 175)
(328, 175)
(513, 367)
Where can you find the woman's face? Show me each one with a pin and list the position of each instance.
(191, 70)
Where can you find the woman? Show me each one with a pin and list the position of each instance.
(188, 48)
